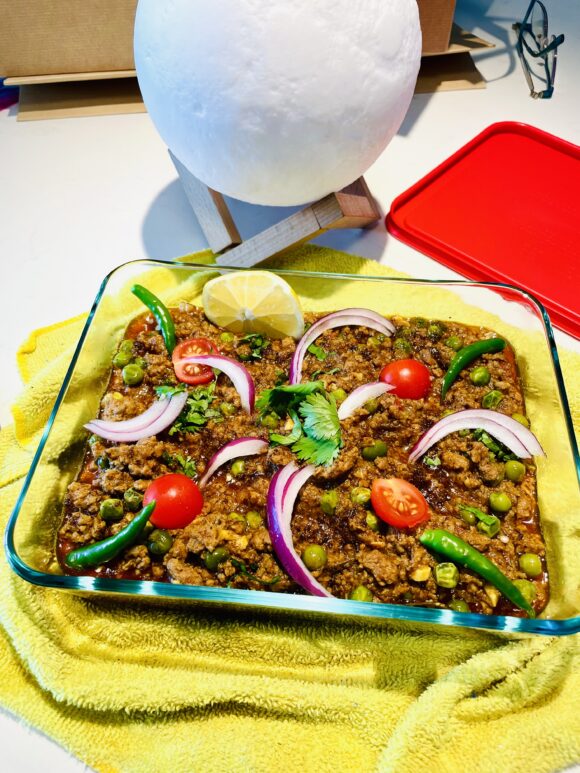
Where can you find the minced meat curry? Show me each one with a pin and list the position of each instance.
(472, 485)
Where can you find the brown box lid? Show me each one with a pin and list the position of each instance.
(66, 36)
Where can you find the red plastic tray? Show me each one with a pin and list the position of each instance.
(505, 208)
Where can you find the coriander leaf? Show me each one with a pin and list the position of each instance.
(197, 410)
(498, 449)
(320, 418)
(168, 390)
(257, 344)
(287, 440)
(318, 352)
(317, 452)
(242, 569)
(432, 461)
(323, 372)
(183, 463)
(279, 399)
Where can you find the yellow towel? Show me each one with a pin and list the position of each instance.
(139, 689)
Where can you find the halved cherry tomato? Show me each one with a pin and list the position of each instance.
(398, 502)
(178, 499)
(410, 378)
(189, 372)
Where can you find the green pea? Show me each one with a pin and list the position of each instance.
(215, 558)
(254, 519)
(228, 409)
(531, 564)
(492, 399)
(361, 593)
(435, 331)
(159, 542)
(314, 557)
(527, 589)
(132, 375)
(373, 342)
(147, 530)
(372, 522)
(245, 356)
(339, 395)
(490, 526)
(480, 376)
(238, 466)
(419, 321)
(378, 448)
(227, 338)
(140, 362)
(455, 343)
(402, 346)
(122, 358)
(126, 345)
(372, 405)
(463, 432)
(467, 516)
(237, 517)
(93, 439)
(521, 419)
(446, 575)
(500, 502)
(133, 499)
(111, 510)
(458, 605)
(329, 501)
(360, 495)
(515, 471)
(103, 462)
(269, 420)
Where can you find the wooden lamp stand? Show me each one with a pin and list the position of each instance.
(351, 207)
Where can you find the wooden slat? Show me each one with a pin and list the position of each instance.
(351, 207)
(74, 100)
(210, 209)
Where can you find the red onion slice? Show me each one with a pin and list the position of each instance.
(137, 422)
(171, 411)
(282, 493)
(362, 395)
(508, 431)
(359, 317)
(235, 371)
(243, 446)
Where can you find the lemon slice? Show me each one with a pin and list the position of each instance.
(253, 302)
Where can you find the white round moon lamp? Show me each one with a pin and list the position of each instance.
(277, 102)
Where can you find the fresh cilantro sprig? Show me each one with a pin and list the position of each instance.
(323, 372)
(256, 343)
(168, 390)
(182, 463)
(316, 439)
(280, 399)
(197, 411)
(501, 452)
(318, 352)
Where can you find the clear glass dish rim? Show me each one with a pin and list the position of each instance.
(283, 601)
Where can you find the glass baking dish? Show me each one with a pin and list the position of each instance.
(31, 531)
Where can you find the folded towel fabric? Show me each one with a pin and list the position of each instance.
(129, 687)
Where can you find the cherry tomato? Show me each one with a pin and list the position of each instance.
(410, 378)
(178, 501)
(398, 502)
(190, 372)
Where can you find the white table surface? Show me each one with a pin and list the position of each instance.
(80, 196)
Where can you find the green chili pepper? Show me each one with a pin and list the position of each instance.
(466, 356)
(458, 551)
(160, 312)
(109, 548)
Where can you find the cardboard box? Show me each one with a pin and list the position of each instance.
(57, 37)
(72, 37)
(436, 19)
